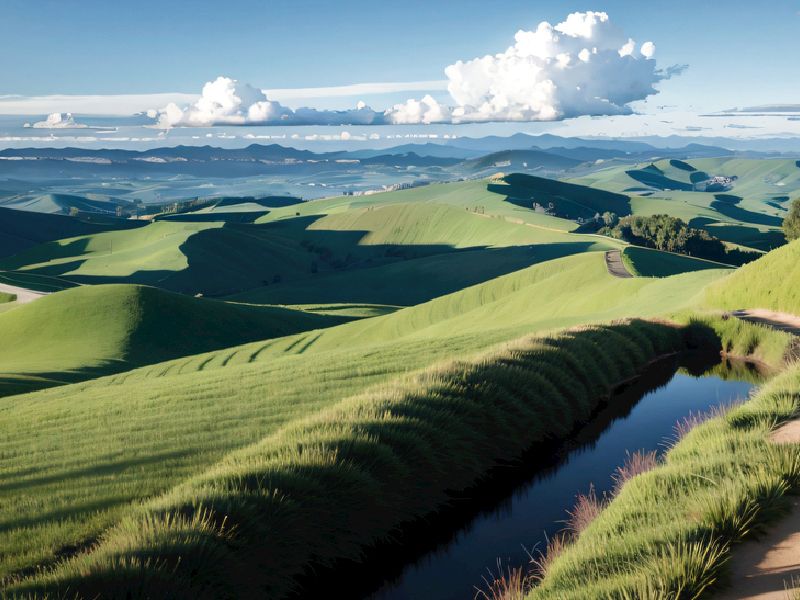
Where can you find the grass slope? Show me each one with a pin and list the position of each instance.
(347, 247)
(647, 262)
(670, 531)
(749, 214)
(769, 282)
(329, 486)
(91, 450)
(20, 229)
(95, 330)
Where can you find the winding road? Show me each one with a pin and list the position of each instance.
(615, 265)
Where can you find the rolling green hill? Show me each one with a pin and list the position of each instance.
(144, 431)
(648, 262)
(94, 330)
(20, 229)
(747, 212)
(62, 203)
(770, 282)
(164, 396)
(343, 244)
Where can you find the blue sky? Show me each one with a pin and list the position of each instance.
(738, 52)
(103, 47)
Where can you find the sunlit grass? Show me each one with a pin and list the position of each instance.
(670, 531)
(327, 486)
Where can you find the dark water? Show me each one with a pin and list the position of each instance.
(641, 417)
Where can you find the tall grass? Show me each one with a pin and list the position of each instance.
(330, 487)
(769, 282)
(741, 339)
(670, 530)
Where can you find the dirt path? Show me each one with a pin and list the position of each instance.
(776, 320)
(764, 569)
(23, 295)
(615, 265)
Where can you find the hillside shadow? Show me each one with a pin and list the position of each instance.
(656, 179)
(225, 217)
(728, 205)
(330, 265)
(417, 280)
(569, 200)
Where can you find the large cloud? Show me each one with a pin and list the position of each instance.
(57, 121)
(582, 66)
(226, 101)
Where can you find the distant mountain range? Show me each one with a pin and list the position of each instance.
(106, 181)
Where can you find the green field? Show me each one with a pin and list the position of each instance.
(319, 374)
(748, 214)
(646, 262)
(770, 282)
(91, 331)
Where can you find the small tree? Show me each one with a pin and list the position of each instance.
(791, 224)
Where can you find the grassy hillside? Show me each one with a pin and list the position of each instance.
(329, 486)
(20, 229)
(218, 258)
(670, 531)
(133, 435)
(748, 211)
(568, 199)
(770, 282)
(647, 262)
(190, 408)
(95, 330)
(62, 203)
(483, 196)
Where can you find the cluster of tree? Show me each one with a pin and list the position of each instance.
(664, 232)
(791, 224)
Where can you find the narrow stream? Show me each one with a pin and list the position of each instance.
(641, 417)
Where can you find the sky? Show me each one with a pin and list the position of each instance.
(100, 57)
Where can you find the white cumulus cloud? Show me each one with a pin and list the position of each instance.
(583, 66)
(58, 121)
(428, 110)
(226, 101)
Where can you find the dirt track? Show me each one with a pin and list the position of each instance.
(776, 320)
(615, 265)
(23, 295)
(765, 568)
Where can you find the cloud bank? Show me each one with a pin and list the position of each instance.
(226, 101)
(57, 121)
(583, 66)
